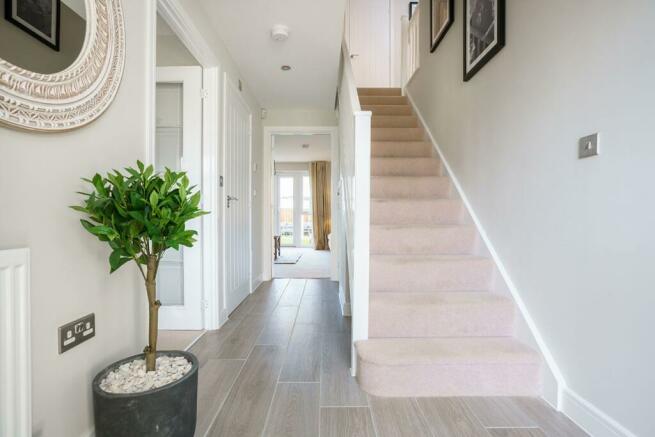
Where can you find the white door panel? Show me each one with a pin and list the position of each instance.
(178, 147)
(237, 232)
(368, 35)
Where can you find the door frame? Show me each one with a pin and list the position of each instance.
(185, 29)
(268, 201)
(229, 83)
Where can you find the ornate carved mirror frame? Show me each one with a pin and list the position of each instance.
(78, 95)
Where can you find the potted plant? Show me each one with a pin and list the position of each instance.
(140, 215)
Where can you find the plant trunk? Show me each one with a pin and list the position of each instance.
(153, 313)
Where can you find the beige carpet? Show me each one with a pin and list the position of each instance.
(312, 264)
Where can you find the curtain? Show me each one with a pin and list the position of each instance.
(319, 173)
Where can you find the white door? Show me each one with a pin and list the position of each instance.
(368, 36)
(178, 147)
(237, 232)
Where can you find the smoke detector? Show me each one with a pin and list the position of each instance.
(305, 146)
(279, 32)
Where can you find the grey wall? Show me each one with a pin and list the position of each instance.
(39, 175)
(22, 49)
(575, 235)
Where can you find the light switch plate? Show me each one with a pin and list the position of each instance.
(588, 146)
(76, 332)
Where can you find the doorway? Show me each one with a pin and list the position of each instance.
(302, 193)
(178, 143)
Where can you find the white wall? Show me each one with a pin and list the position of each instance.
(39, 175)
(575, 235)
(300, 117)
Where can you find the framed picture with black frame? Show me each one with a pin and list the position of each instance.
(484, 33)
(39, 18)
(442, 16)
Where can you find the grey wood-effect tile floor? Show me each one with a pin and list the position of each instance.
(280, 367)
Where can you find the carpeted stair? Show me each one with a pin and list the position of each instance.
(436, 327)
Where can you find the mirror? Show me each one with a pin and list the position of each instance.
(43, 36)
(61, 61)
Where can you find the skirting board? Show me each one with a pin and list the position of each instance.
(543, 348)
(345, 306)
(256, 282)
(590, 418)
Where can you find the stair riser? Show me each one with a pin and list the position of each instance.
(414, 188)
(379, 91)
(397, 134)
(394, 121)
(444, 212)
(388, 109)
(411, 274)
(423, 241)
(405, 167)
(447, 381)
(383, 100)
(389, 319)
(411, 149)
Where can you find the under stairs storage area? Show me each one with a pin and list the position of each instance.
(437, 325)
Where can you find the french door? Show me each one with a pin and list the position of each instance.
(294, 222)
(237, 231)
(178, 147)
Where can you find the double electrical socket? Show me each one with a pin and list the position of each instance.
(76, 332)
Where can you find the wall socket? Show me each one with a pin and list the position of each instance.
(588, 146)
(76, 332)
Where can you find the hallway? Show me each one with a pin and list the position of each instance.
(280, 367)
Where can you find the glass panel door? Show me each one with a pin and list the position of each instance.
(307, 219)
(286, 210)
(168, 154)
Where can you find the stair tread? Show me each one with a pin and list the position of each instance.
(432, 257)
(426, 226)
(446, 351)
(423, 298)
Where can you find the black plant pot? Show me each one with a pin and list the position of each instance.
(168, 411)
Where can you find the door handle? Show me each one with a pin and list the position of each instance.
(353, 56)
(230, 199)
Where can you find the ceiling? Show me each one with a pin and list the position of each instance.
(312, 49)
(288, 148)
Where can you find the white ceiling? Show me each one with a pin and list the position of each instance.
(312, 49)
(288, 148)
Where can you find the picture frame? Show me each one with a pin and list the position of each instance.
(39, 18)
(442, 16)
(412, 7)
(484, 33)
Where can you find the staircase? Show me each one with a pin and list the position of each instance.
(436, 328)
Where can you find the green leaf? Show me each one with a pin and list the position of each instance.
(154, 199)
(117, 259)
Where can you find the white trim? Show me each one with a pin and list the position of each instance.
(256, 282)
(346, 309)
(541, 343)
(211, 199)
(267, 192)
(184, 28)
(586, 415)
(15, 341)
